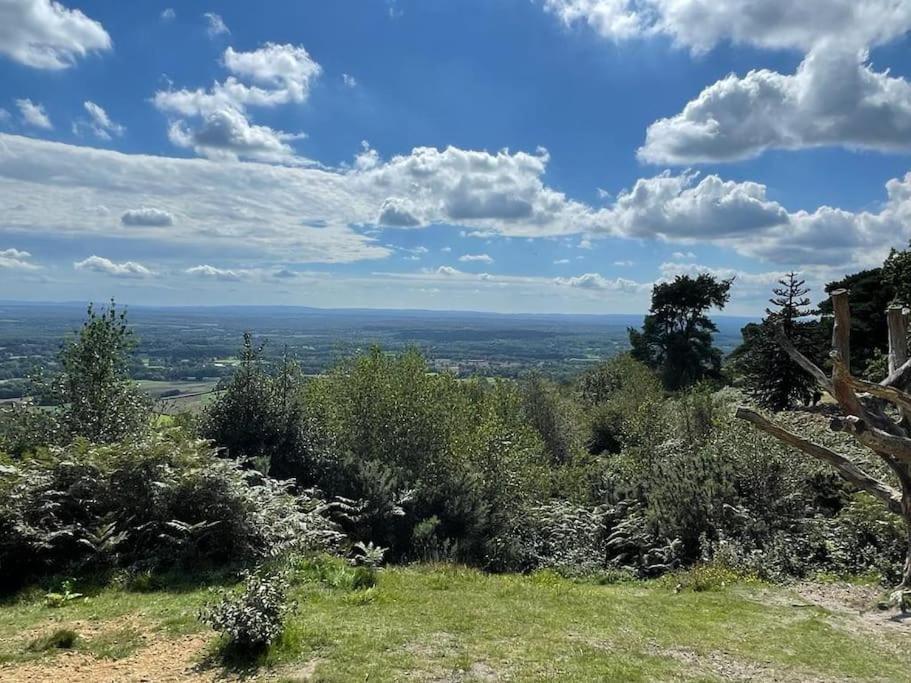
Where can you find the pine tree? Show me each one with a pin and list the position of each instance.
(770, 376)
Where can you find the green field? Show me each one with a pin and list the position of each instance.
(193, 395)
(443, 623)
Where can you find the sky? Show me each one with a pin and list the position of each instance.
(492, 155)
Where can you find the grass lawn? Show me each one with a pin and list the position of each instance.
(441, 623)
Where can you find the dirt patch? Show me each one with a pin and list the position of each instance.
(854, 608)
(160, 661)
(727, 667)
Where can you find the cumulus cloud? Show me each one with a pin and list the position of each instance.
(700, 25)
(834, 98)
(15, 259)
(502, 191)
(476, 258)
(215, 25)
(349, 80)
(213, 273)
(168, 14)
(47, 35)
(127, 269)
(398, 212)
(33, 114)
(227, 134)
(681, 206)
(598, 282)
(270, 76)
(147, 216)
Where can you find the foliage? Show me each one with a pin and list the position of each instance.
(676, 337)
(770, 376)
(98, 400)
(160, 501)
(897, 275)
(551, 415)
(260, 417)
(254, 617)
(25, 428)
(406, 448)
(870, 295)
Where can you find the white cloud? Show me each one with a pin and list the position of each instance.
(46, 35)
(168, 14)
(682, 206)
(561, 262)
(270, 76)
(682, 255)
(285, 69)
(227, 134)
(596, 281)
(99, 123)
(700, 25)
(349, 80)
(274, 74)
(623, 264)
(211, 272)
(127, 269)
(324, 215)
(147, 217)
(834, 98)
(33, 114)
(398, 212)
(303, 215)
(15, 259)
(215, 25)
(480, 258)
(502, 192)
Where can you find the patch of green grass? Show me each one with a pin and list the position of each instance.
(114, 644)
(60, 639)
(442, 621)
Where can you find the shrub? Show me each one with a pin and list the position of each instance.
(164, 500)
(97, 399)
(260, 417)
(429, 465)
(254, 617)
(25, 428)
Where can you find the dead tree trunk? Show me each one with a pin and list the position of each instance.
(866, 413)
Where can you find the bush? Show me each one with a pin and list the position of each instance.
(165, 500)
(260, 417)
(429, 465)
(254, 618)
(98, 400)
(25, 428)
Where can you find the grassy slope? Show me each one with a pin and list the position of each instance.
(431, 623)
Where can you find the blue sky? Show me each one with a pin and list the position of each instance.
(505, 155)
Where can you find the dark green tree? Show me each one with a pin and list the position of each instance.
(98, 399)
(870, 294)
(897, 275)
(260, 417)
(676, 337)
(770, 376)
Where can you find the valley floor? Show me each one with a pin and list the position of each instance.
(444, 623)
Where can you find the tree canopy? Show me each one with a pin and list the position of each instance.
(676, 336)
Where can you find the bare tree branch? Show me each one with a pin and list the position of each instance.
(898, 398)
(898, 447)
(845, 467)
(802, 360)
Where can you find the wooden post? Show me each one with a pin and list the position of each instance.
(897, 318)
